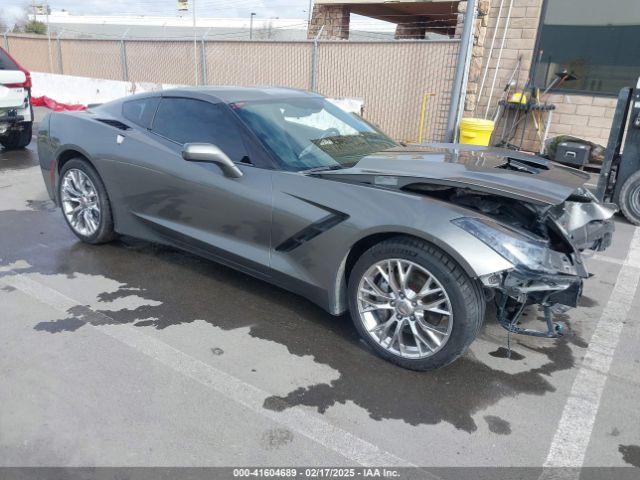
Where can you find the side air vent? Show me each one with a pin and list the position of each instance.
(114, 123)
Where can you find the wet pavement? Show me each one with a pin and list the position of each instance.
(138, 354)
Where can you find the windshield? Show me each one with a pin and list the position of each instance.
(311, 133)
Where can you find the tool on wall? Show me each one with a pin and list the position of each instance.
(514, 111)
(561, 77)
(512, 83)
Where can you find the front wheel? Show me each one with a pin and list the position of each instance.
(413, 304)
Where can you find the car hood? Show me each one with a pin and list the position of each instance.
(497, 171)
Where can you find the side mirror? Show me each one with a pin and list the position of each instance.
(209, 153)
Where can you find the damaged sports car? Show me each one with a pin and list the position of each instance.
(285, 186)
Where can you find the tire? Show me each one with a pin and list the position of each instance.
(18, 138)
(103, 231)
(457, 293)
(629, 198)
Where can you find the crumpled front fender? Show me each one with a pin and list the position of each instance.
(589, 225)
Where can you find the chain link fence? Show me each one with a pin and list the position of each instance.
(392, 78)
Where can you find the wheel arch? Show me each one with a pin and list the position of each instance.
(69, 153)
(340, 304)
(63, 155)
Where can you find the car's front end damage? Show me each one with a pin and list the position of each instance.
(546, 246)
(537, 216)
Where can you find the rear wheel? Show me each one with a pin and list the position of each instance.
(15, 139)
(413, 304)
(629, 199)
(84, 201)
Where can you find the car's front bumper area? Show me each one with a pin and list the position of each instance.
(536, 288)
(532, 287)
(515, 289)
(554, 292)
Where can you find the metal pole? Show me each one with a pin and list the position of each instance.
(493, 41)
(6, 40)
(309, 14)
(123, 56)
(195, 42)
(203, 56)
(463, 88)
(495, 72)
(543, 140)
(46, 11)
(60, 69)
(251, 25)
(467, 36)
(314, 60)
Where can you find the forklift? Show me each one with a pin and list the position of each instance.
(619, 180)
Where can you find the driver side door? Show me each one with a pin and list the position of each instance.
(192, 204)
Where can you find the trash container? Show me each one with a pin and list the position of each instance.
(475, 131)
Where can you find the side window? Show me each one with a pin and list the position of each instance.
(6, 63)
(185, 120)
(140, 111)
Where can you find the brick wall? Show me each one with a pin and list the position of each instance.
(584, 116)
(335, 19)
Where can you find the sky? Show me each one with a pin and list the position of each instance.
(10, 10)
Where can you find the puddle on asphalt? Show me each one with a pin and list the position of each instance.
(184, 288)
(630, 454)
(18, 159)
(503, 352)
(498, 425)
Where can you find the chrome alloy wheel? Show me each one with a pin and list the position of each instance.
(404, 308)
(80, 202)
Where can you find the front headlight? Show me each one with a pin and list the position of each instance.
(519, 249)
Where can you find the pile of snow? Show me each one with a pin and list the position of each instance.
(70, 89)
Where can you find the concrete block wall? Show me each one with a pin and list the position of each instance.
(585, 116)
(335, 19)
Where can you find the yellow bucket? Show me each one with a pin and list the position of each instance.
(475, 131)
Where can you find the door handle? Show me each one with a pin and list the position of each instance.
(119, 139)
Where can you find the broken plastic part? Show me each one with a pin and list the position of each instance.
(587, 224)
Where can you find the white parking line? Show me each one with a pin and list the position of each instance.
(571, 439)
(296, 419)
(607, 259)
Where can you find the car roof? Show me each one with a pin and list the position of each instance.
(239, 94)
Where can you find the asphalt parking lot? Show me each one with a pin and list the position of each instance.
(133, 354)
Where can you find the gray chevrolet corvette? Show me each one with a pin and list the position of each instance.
(281, 184)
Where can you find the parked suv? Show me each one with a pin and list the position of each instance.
(16, 115)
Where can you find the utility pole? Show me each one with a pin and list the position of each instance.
(251, 25)
(309, 13)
